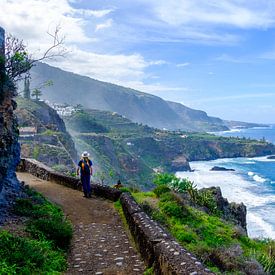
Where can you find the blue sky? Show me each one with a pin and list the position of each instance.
(218, 56)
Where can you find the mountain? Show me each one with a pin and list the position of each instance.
(137, 106)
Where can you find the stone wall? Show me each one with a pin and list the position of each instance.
(157, 247)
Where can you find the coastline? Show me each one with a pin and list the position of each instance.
(246, 184)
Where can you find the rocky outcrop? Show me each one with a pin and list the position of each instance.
(218, 168)
(230, 211)
(9, 146)
(180, 164)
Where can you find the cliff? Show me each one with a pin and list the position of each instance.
(9, 146)
(50, 142)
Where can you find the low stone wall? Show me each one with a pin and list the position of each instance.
(44, 172)
(157, 247)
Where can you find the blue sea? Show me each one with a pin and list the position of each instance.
(252, 182)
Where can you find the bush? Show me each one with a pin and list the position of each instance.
(56, 230)
(47, 220)
(24, 256)
(172, 209)
(161, 189)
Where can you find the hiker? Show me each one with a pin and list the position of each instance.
(118, 185)
(85, 170)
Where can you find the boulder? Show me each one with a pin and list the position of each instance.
(180, 164)
(219, 168)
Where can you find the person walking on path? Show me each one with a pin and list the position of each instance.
(86, 171)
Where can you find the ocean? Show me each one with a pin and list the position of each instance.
(252, 182)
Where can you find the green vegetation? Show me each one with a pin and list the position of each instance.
(135, 152)
(42, 247)
(219, 244)
(83, 122)
(166, 182)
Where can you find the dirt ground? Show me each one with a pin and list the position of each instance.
(100, 243)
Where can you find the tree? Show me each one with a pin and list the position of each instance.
(18, 61)
(27, 91)
(37, 93)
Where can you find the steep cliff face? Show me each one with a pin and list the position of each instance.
(9, 146)
(50, 143)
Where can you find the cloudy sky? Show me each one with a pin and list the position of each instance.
(215, 55)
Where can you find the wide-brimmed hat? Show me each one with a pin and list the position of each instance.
(85, 154)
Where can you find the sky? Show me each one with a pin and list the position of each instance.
(213, 55)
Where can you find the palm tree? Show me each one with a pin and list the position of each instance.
(36, 93)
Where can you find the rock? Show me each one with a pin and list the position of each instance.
(230, 211)
(10, 188)
(218, 168)
(180, 164)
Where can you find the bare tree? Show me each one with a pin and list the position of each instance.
(18, 61)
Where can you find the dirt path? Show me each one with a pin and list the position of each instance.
(100, 244)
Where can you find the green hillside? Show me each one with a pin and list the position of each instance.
(137, 106)
(132, 152)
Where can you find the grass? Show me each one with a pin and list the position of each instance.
(43, 248)
(20, 255)
(207, 236)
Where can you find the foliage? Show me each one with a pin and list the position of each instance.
(161, 189)
(170, 181)
(206, 235)
(18, 61)
(149, 271)
(47, 220)
(37, 93)
(85, 123)
(25, 256)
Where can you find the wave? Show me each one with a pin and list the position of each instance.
(262, 159)
(258, 178)
(260, 226)
(237, 187)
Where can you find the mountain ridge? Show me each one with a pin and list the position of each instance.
(137, 106)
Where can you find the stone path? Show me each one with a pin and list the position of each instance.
(100, 244)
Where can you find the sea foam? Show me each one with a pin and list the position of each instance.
(237, 187)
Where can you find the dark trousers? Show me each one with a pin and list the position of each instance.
(86, 184)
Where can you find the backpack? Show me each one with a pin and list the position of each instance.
(85, 167)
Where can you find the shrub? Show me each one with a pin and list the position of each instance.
(164, 179)
(161, 189)
(54, 229)
(172, 209)
(47, 220)
(24, 256)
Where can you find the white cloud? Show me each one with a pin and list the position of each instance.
(106, 24)
(31, 21)
(183, 64)
(242, 14)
